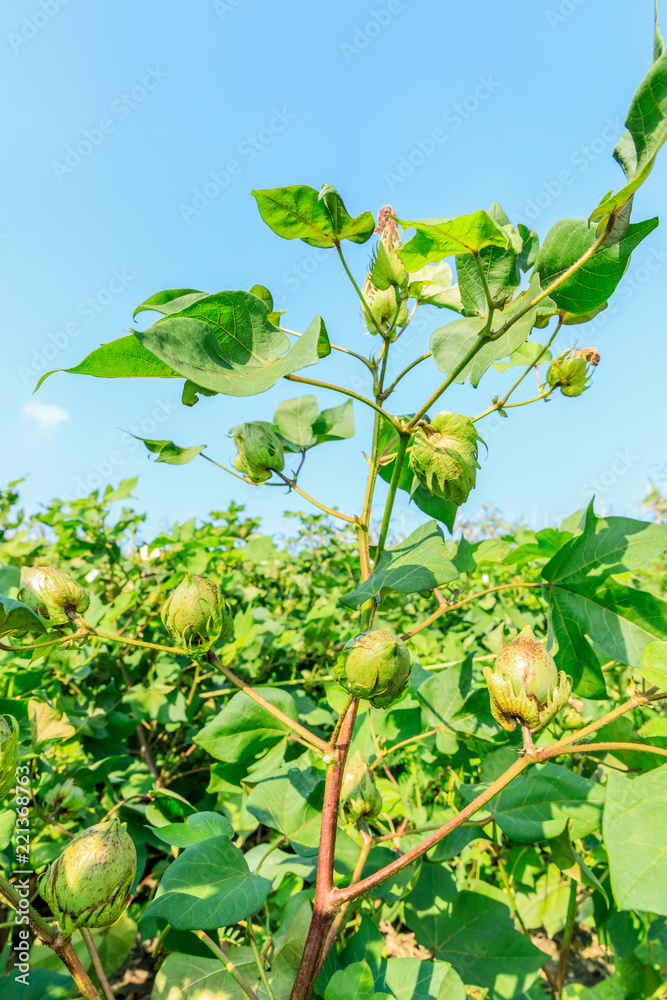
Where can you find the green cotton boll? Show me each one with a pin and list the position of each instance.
(52, 593)
(260, 451)
(10, 754)
(196, 615)
(375, 666)
(360, 799)
(525, 685)
(89, 884)
(443, 456)
(572, 370)
(66, 796)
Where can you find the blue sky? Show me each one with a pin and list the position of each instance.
(160, 98)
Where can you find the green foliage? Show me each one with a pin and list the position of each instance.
(224, 756)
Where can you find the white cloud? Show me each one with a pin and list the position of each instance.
(47, 415)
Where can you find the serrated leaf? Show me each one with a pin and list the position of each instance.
(595, 281)
(171, 453)
(226, 343)
(418, 563)
(209, 885)
(436, 239)
(319, 218)
(635, 820)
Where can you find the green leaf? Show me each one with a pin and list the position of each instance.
(47, 723)
(243, 731)
(569, 861)
(123, 358)
(526, 354)
(355, 982)
(226, 343)
(169, 452)
(335, 424)
(193, 977)
(208, 885)
(583, 601)
(646, 131)
(537, 805)
(416, 979)
(17, 618)
(432, 286)
(294, 420)
(123, 491)
(170, 301)
(499, 265)
(474, 931)
(436, 239)
(292, 805)
(418, 563)
(199, 827)
(443, 697)
(320, 219)
(595, 281)
(635, 820)
(654, 664)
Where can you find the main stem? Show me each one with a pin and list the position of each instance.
(324, 909)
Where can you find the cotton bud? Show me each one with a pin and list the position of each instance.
(89, 884)
(196, 615)
(525, 684)
(65, 797)
(387, 227)
(52, 593)
(359, 797)
(443, 456)
(10, 753)
(260, 451)
(571, 370)
(374, 665)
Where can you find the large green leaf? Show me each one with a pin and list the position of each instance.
(646, 131)
(654, 664)
(335, 424)
(243, 731)
(208, 885)
(354, 982)
(583, 602)
(635, 821)
(474, 931)
(294, 420)
(123, 358)
(418, 563)
(169, 301)
(445, 706)
(499, 268)
(291, 804)
(537, 805)
(595, 281)
(416, 979)
(436, 239)
(319, 218)
(199, 827)
(17, 618)
(226, 343)
(193, 977)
